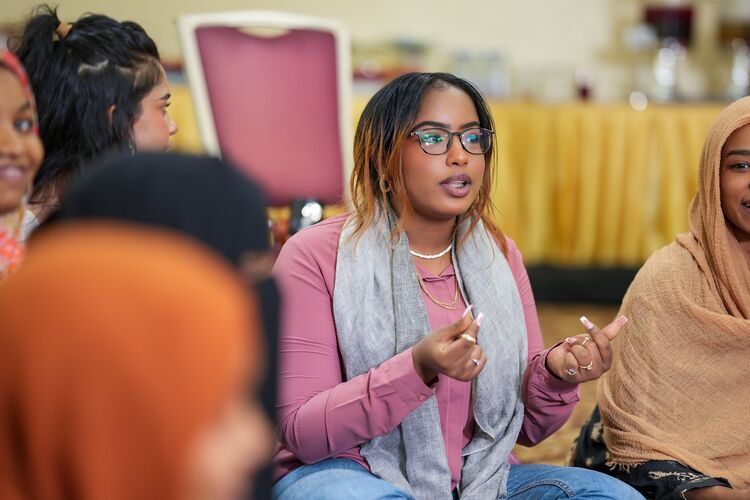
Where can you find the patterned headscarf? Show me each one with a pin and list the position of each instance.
(11, 62)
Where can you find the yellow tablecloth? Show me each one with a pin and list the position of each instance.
(577, 184)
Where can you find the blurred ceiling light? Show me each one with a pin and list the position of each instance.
(638, 101)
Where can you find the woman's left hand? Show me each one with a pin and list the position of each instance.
(585, 357)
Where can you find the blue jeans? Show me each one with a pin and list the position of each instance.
(332, 479)
(339, 478)
(547, 482)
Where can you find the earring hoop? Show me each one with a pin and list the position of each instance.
(384, 186)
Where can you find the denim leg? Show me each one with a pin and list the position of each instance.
(547, 482)
(334, 479)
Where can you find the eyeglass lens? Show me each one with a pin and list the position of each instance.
(437, 141)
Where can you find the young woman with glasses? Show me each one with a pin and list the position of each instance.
(411, 360)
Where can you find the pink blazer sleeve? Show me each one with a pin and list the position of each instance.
(548, 400)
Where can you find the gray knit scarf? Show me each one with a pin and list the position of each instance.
(379, 313)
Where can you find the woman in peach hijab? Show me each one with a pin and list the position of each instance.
(127, 361)
(675, 411)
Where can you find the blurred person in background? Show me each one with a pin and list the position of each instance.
(129, 365)
(100, 87)
(21, 154)
(203, 198)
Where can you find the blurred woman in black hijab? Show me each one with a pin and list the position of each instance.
(201, 197)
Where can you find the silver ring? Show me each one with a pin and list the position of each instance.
(570, 372)
(588, 366)
(476, 361)
(585, 339)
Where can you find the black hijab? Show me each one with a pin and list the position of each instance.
(200, 196)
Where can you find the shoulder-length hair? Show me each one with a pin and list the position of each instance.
(384, 126)
(89, 78)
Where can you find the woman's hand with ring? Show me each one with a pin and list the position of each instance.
(451, 350)
(587, 356)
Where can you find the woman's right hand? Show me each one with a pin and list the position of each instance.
(451, 350)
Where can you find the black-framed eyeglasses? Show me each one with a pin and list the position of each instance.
(437, 141)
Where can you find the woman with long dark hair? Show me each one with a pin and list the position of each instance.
(100, 88)
(411, 360)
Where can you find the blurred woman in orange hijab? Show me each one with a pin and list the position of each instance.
(127, 362)
(21, 154)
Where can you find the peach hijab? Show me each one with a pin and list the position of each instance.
(117, 346)
(678, 387)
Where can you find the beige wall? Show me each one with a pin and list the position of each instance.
(541, 40)
(565, 31)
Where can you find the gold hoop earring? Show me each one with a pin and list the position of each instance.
(384, 186)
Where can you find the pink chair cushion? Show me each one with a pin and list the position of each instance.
(275, 107)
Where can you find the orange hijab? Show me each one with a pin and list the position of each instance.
(678, 387)
(117, 347)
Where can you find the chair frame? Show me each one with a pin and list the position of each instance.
(187, 26)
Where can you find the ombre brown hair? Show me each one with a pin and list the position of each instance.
(383, 128)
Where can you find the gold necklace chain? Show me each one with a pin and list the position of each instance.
(452, 305)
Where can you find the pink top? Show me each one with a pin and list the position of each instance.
(322, 416)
